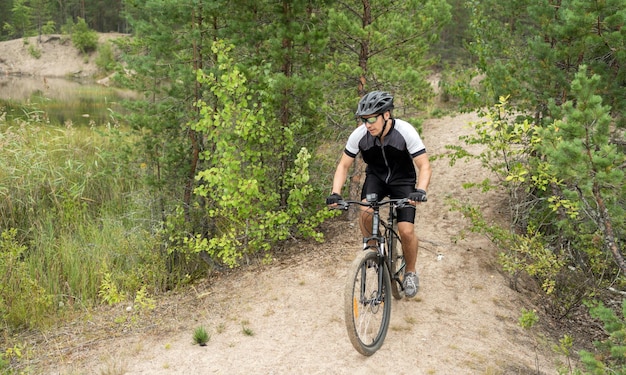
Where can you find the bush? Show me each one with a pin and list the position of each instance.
(22, 300)
(84, 39)
(243, 198)
(34, 51)
(106, 59)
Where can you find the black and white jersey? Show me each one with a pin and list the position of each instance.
(392, 162)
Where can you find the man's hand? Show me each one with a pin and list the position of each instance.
(333, 199)
(418, 195)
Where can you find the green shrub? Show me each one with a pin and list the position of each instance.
(106, 59)
(565, 183)
(243, 186)
(23, 302)
(34, 51)
(84, 39)
(49, 27)
(201, 336)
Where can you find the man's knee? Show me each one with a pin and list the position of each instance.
(406, 230)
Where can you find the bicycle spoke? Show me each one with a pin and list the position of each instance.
(368, 319)
(374, 276)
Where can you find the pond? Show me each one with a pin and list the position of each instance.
(60, 100)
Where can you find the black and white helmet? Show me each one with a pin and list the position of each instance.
(374, 102)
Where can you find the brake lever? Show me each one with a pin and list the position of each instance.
(342, 205)
(403, 203)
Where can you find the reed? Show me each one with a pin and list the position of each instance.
(77, 204)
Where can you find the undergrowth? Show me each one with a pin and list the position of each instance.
(74, 218)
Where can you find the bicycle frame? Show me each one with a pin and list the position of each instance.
(385, 254)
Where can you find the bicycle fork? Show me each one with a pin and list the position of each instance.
(376, 298)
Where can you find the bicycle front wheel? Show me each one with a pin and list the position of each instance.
(367, 303)
(396, 265)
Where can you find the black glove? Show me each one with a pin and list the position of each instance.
(334, 198)
(418, 195)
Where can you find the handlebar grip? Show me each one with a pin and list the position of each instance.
(342, 205)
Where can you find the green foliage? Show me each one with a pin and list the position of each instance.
(109, 292)
(34, 51)
(244, 206)
(4, 363)
(528, 319)
(83, 38)
(531, 50)
(13, 355)
(161, 55)
(201, 336)
(49, 27)
(143, 301)
(383, 45)
(23, 301)
(591, 191)
(37, 17)
(521, 253)
(566, 192)
(610, 357)
(246, 330)
(73, 196)
(67, 27)
(564, 348)
(21, 19)
(105, 60)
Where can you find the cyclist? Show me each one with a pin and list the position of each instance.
(392, 150)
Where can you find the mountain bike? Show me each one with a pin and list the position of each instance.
(376, 273)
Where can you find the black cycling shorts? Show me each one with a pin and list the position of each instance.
(374, 184)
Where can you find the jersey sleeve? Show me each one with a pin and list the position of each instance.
(414, 143)
(352, 146)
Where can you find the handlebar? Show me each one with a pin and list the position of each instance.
(398, 203)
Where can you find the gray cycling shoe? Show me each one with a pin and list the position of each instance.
(411, 284)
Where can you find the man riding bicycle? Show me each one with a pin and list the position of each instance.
(392, 150)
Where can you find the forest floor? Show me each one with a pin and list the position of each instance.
(287, 316)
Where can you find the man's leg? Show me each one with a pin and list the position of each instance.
(411, 281)
(409, 244)
(365, 222)
(371, 185)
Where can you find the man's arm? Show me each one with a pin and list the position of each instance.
(341, 174)
(423, 171)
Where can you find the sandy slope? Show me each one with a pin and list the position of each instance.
(58, 57)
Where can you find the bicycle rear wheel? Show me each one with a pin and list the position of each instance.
(367, 305)
(396, 264)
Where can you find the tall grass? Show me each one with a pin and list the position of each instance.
(74, 201)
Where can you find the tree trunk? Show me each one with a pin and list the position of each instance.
(607, 229)
(193, 135)
(358, 170)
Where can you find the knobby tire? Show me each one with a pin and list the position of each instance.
(397, 264)
(367, 317)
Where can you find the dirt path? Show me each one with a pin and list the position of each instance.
(464, 320)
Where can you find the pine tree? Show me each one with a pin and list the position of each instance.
(579, 150)
(531, 50)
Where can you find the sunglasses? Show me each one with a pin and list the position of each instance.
(370, 120)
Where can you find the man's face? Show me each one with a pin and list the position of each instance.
(374, 124)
